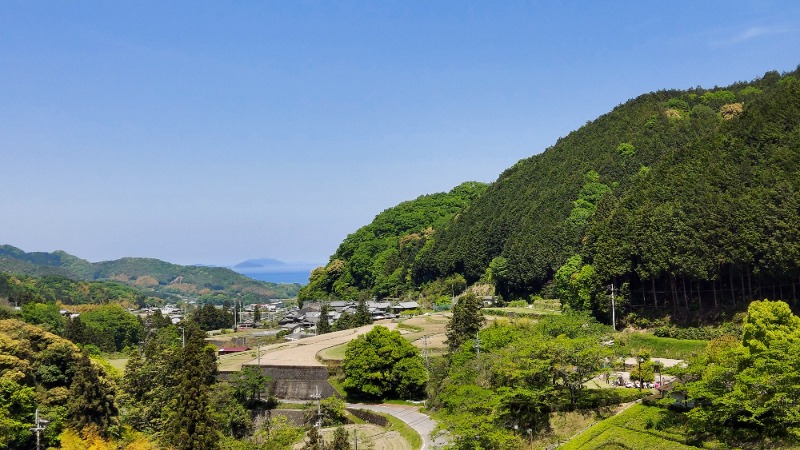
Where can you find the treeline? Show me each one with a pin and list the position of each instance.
(153, 275)
(19, 290)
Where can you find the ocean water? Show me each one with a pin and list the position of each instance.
(280, 277)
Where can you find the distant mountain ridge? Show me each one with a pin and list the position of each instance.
(145, 273)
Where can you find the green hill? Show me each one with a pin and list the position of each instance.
(378, 258)
(686, 199)
(146, 274)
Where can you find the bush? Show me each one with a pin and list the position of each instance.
(596, 398)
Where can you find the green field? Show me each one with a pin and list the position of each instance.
(663, 347)
(638, 427)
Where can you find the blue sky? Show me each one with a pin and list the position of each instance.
(216, 131)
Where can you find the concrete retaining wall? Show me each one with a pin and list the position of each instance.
(295, 382)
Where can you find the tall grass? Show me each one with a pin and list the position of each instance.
(663, 347)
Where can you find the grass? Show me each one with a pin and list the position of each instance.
(635, 428)
(335, 353)
(519, 312)
(336, 384)
(406, 431)
(409, 327)
(663, 347)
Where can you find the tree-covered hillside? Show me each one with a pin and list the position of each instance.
(378, 258)
(148, 274)
(683, 199)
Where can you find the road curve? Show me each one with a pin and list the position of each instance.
(421, 423)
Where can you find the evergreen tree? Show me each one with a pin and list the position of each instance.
(324, 325)
(92, 400)
(314, 440)
(75, 330)
(190, 424)
(362, 315)
(344, 322)
(256, 314)
(340, 440)
(467, 320)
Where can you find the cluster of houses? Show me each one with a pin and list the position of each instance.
(303, 322)
(170, 310)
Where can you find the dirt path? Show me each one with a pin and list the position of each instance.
(304, 352)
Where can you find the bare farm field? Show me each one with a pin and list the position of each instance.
(369, 436)
(413, 329)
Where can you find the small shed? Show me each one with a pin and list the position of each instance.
(229, 350)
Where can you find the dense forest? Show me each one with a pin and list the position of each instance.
(156, 277)
(684, 201)
(379, 257)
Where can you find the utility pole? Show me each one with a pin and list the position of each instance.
(40, 425)
(183, 337)
(355, 440)
(478, 344)
(613, 309)
(318, 396)
(425, 345)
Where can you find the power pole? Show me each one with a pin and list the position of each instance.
(355, 439)
(425, 344)
(40, 425)
(613, 309)
(478, 344)
(318, 396)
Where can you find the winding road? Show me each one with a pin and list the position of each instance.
(421, 423)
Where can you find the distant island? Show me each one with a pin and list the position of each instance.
(276, 271)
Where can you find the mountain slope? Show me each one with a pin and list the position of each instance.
(144, 273)
(378, 257)
(683, 198)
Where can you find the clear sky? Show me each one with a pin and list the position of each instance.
(217, 131)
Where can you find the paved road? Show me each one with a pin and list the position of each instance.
(421, 423)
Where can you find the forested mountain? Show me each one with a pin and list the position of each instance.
(684, 199)
(148, 274)
(377, 259)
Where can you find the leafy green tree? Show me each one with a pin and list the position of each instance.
(277, 433)
(466, 321)
(231, 414)
(248, 385)
(17, 406)
(746, 390)
(381, 364)
(123, 329)
(45, 314)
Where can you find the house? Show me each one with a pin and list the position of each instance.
(404, 306)
(339, 305)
